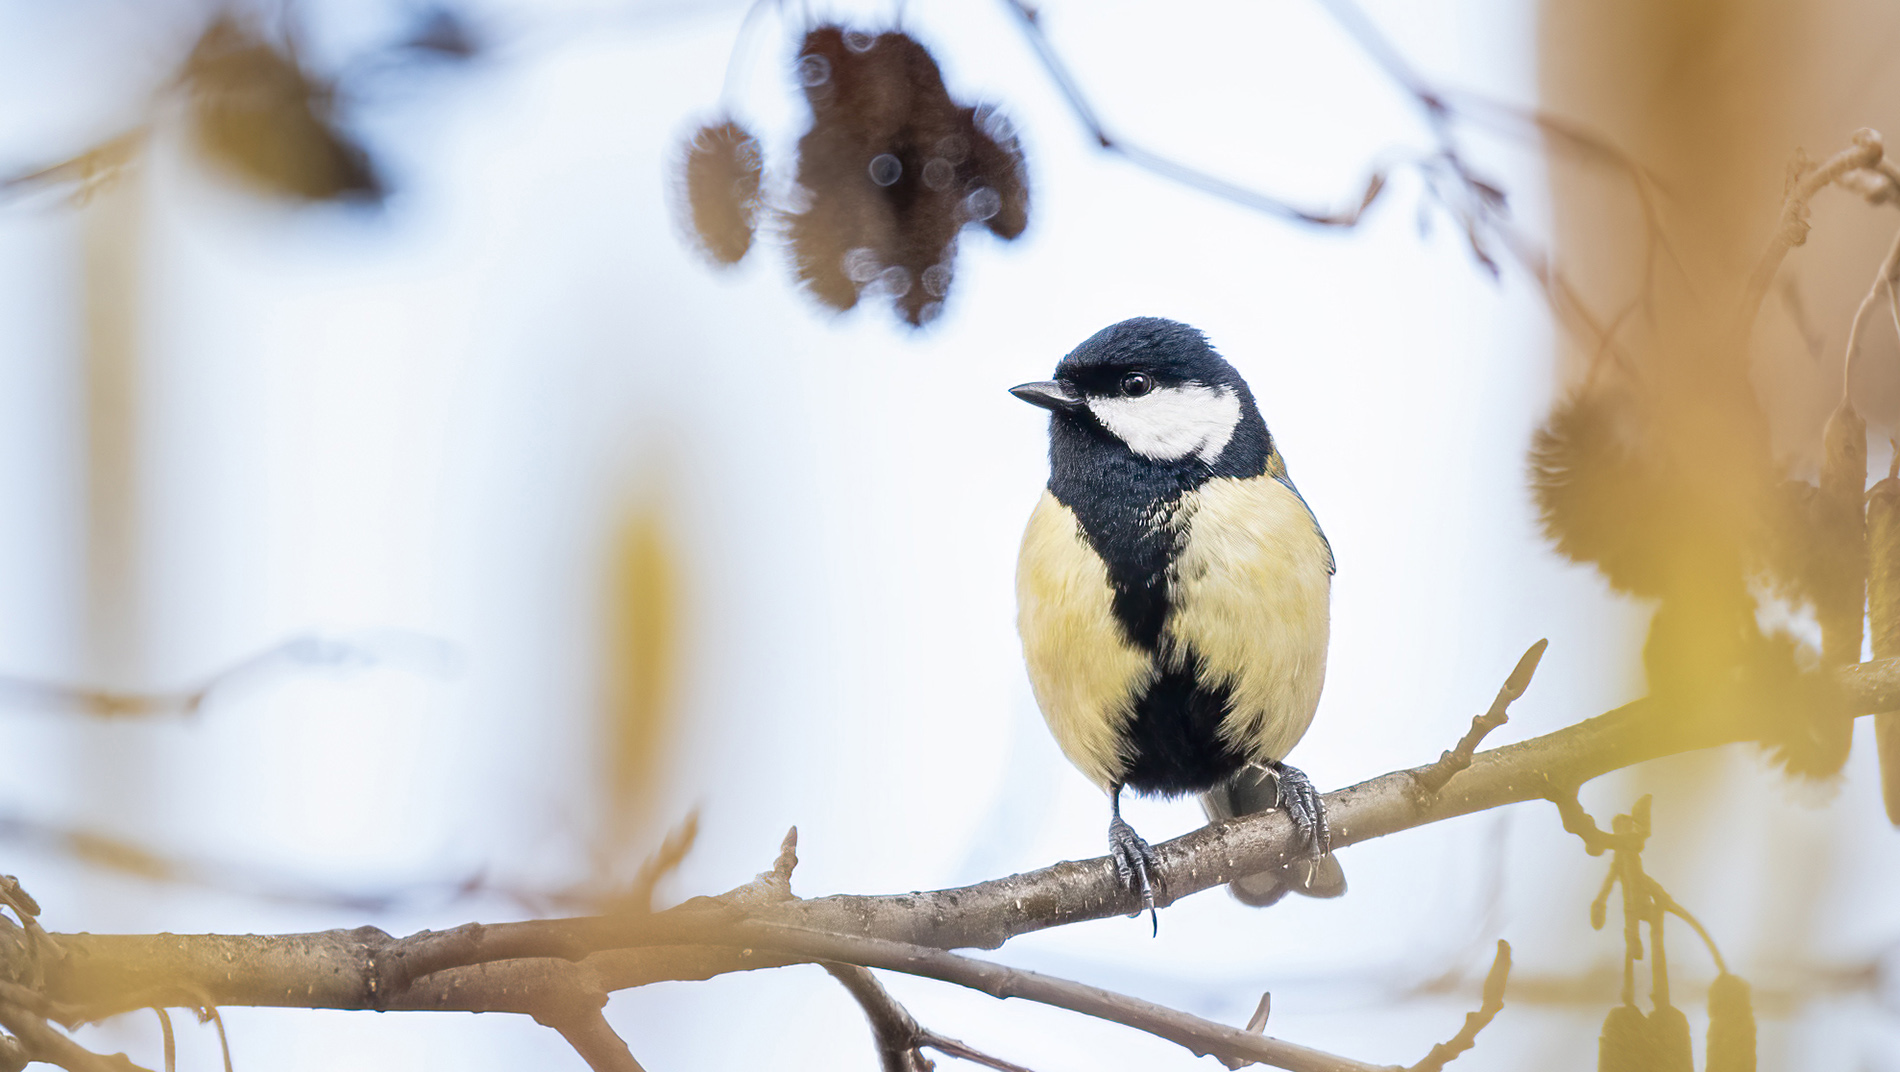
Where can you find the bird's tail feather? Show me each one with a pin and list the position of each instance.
(1256, 789)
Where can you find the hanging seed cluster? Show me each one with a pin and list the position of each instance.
(1659, 1041)
(261, 117)
(890, 173)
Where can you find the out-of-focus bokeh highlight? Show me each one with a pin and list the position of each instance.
(462, 441)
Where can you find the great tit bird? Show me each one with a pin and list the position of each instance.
(1173, 592)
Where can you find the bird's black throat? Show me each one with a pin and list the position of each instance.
(1129, 507)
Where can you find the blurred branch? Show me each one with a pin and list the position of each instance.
(302, 651)
(1446, 1052)
(1169, 169)
(1792, 230)
(110, 852)
(89, 171)
(1886, 280)
(36, 1040)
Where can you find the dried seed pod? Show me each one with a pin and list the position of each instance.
(1669, 1037)
(1731, 1026)
(1883, 614)
(1600, 500)
(263, 118)
(722, 168)
(1624, 1045)
(890, 171)
(996, 159)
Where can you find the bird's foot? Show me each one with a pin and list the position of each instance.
(1135, 864)
(1304, 806)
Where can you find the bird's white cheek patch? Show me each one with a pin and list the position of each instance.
(1170, 423)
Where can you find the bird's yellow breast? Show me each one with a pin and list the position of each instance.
(1085, 673)
(1249, 592)
(1252, 588)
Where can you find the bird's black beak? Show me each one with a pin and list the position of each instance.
(1052, 395)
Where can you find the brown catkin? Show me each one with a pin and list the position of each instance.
(1669, 1035)
(1883, 614)
(1625, 1045)
(1731, 1026)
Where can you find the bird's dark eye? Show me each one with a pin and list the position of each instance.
(1136, 384)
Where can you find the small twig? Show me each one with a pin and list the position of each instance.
(1257, 1024)
(99, 849)
(1600, 907)
(900, 1039)
(1596, 840)
(1433, 778)
(1198, 1036)
(171, 1040)
(671, 854)
(1883, 285)
(1085, 113)
(1792, 229)
(1666, 903)
(111, 703)
(89, 170)
(42, 1043)
(1467, 1036)
(208, 1013)
(893, 1030)
(38, 942)
(588, 1031)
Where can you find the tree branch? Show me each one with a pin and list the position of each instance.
(496, 967)
(900, 1038)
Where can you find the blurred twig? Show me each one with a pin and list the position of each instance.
(1792, 230)
(302, 651)
(1445, 1052)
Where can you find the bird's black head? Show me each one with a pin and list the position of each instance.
(1151, 394)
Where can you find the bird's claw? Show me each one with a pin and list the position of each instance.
(1304, 806)
(1135, 865)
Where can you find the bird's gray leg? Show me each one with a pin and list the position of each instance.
(1304, 806)
(1134, 860)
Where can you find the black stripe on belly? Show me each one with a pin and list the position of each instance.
(1173, 742)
